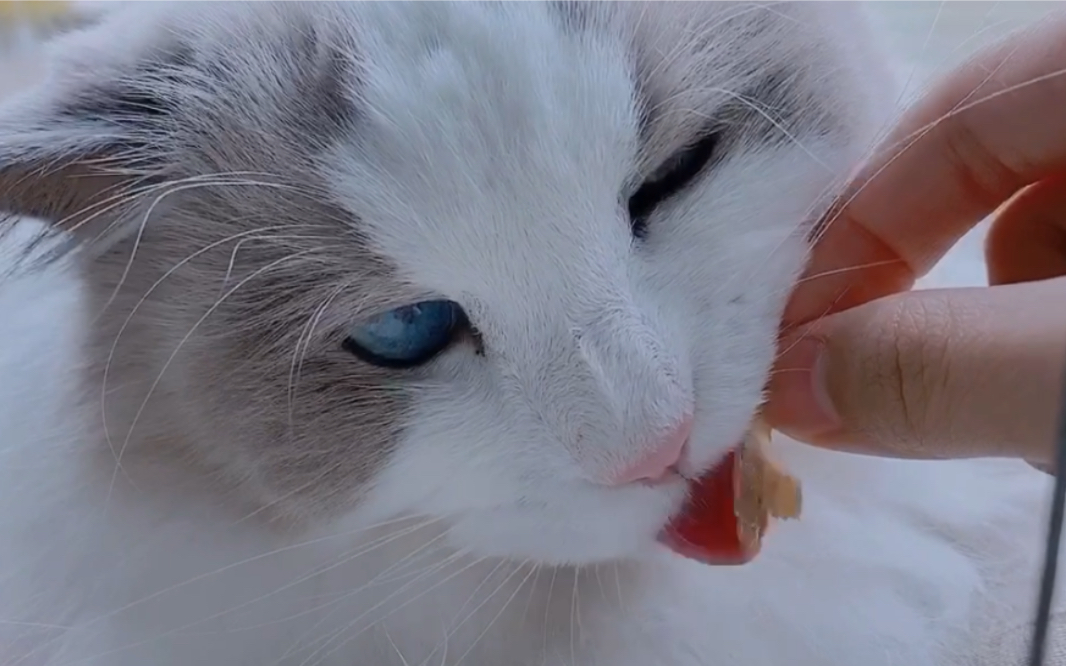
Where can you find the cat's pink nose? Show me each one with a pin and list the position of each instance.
(657, 465)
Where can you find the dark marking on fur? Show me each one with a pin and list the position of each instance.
(776, 109)
(574, 15)
(138, 100)
(121, 105)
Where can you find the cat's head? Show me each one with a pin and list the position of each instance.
(467, 261)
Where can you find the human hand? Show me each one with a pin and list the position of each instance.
(945, 373)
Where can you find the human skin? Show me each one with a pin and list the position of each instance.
(869, 366)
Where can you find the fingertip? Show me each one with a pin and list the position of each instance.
(798, 400)
(1027, 239)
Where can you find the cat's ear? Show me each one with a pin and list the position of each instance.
(79, 150)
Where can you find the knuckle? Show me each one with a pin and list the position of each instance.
(913, 372)
(983, 176)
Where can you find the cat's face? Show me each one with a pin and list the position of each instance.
(598, 211)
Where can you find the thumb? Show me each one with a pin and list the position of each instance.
(930, 374)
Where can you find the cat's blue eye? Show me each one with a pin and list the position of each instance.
(407, 336)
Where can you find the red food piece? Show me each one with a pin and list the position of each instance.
(707, 529)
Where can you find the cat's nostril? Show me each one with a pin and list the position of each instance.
(656, 465)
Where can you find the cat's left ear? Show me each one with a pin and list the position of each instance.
(77, 149)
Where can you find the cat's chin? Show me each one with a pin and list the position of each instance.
(607, 529)
(631, 525)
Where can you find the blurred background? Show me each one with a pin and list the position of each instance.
(929, 36)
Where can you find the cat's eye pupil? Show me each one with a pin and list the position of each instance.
(406, 336)
(668, 180)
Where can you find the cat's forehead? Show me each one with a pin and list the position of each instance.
(548, 112)
(687, 66)
(685, 60)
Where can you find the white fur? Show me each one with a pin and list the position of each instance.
(507, 553)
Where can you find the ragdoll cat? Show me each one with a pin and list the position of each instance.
(396, 332)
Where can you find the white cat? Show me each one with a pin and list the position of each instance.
(598, 209)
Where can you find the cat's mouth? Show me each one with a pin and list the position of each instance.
(730, 507)
(706, 527)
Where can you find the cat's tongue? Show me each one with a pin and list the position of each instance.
(729, 508)
(708, 528)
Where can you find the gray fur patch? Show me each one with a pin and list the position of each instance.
(222, 308)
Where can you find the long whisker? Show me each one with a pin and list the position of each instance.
(470, 598)
(207, 575)
(326, 639)
(381, 577)
(547, 612)
(846, 269)
(136, 308)
(925, 47)
(378, 605)
(185, 339)
(395, 649)
(503, 608)
(169, 189)
(303, 343)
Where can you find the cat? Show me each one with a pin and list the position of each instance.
(391, 334)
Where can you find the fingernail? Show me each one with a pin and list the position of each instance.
(799, 401)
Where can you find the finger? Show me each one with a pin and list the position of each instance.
(848, 267)
(1027, 241)
(993, 126)
(930, 374)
